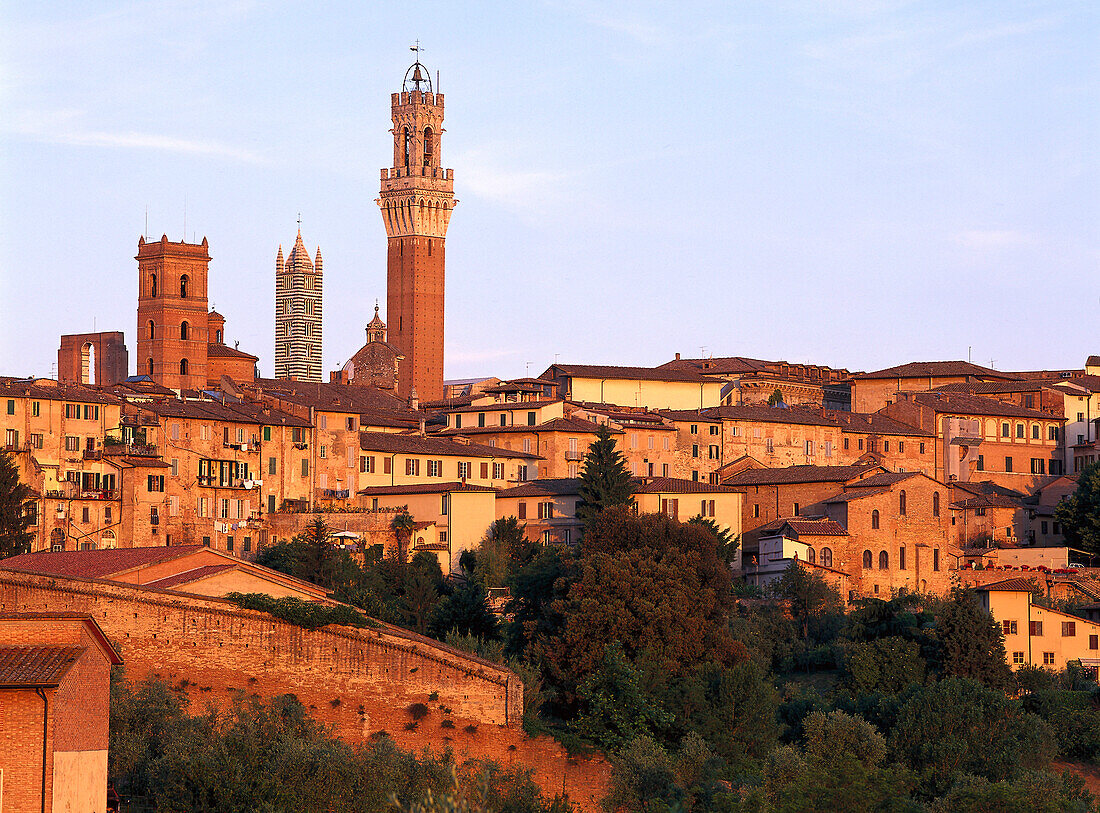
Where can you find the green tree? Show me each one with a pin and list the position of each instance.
(655, 585)
(728, 542)
(808, 595)
(972, 643)
(1080, 512)
(605, 481)
(776, 398)
(403, 527)
(959, 726)
(14, 499)
(466, 612)
(883, 666)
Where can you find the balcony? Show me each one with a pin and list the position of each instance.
(573, 456)
(122, 449)
(99, 494)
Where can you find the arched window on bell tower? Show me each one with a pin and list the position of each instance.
(183, 366)
(183, 286)
(408, 148)
(153, 286)
(152, 330)
(429, 147)
(185, 331)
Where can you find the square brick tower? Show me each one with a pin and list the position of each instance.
(171, 316)
(416, 201)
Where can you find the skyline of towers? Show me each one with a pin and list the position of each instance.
(416, 200)
(298, 313)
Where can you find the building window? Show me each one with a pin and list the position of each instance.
(1094, 642)
(1069, 629)
(1017, 657)
(1048, 659)
(809, 448)
(305, 468)
(922, 448)
(860, 444)
(155, 482)
(498, 471)
(183, 286)
(794, 509)
(1035, 629)
(185, 331)
(1035, 431)
(981, 462)
(324, 452)
(1008, 464)
(828, 448)
(153, 285)
(868, 560)
(883, 560)
(827, 557)
(935, 503)
(1020, 431)
(756, 510)
(183, 366)
(531, 418)
(845, 444)
(694, 429)
(522, 510)
(769, 445)
(1038, 465)
(874, 520)
(901, 558)
(36, 440)
(412, 467)
(901, 502)
(481, 419)
(935, 559)
(670, 508)
(366, 464)
(1052, 433)
(714, 430)
(35, 409)
(694, 450)
(463, 469)
(546, 510)
(435, 468)
(1005, 430)
(175, 467)
(811, 555)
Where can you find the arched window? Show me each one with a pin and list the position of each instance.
(408, 148)
(152, 330)
(153, 286)
(57, 539)
(874, 520)
(429, 147)
(150, 367)
(901, 502)
(218, 336)
(183, 286)
(827, 557)
(87, 363)
(183, 366)
(811, 555)
(883, 560)
(185, 330)
(935, 503)
(868, 560)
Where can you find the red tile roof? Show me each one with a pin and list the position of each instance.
(421, 488)
(94, 564)
(875, 424)
(796, 474)
(190, 576)
(617, 372)
(926, 369)
(550, 487)
(217, 350)
(674, 485)
(809, 527)
(415, 444)
(883, 479)
(966, 404)
(36, 666)
(1016, 585)
(504, 406)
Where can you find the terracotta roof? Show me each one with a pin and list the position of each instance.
(689, 415)
(728, 365)
(49, 390)
(1015, 585)
(1092, 361)
(966, 404)
(505, 406)
(421, 488)
(873, 423)
(994, 387)
(94, 564)
(190, 576)
(986, 501)
(926, 369)
(767, 414)
(433, 445)
(621, 372)
(557, 487)
(36, 666)
(796, 474)
(884, 479)
(348, 398)
(217, 350)
(809, 527)
(674, 485)
(225, 411)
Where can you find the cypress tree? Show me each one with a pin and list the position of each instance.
(14, 495)
(604, 479)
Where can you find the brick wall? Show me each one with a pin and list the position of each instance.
(358, 681)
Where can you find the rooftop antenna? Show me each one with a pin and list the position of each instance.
(184, 238)
(147, 222)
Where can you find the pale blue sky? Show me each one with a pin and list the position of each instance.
(850, 183)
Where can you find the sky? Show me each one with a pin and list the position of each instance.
(858, 183)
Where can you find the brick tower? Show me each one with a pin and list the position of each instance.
(416, 201)
(298, 301)
(171, 315)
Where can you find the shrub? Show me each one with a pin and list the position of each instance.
(305, 614)
(418, 711)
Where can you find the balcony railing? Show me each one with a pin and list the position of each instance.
(574, 455)
(127, 449)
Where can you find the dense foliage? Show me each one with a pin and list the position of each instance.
(1080, 512)
(15, 538)
(306, 614)
(271, 756)
(709, 695)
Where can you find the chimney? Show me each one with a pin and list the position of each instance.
(423, 423)
(677, 356)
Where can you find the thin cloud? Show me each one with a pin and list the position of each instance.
(485, 177)
(132, 140)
